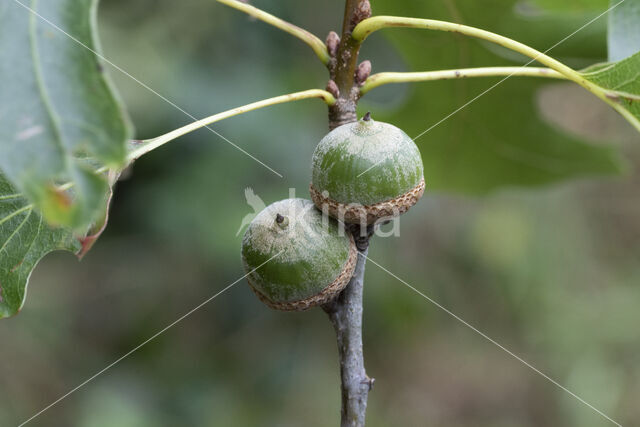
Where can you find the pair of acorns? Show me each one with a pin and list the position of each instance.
(295, 252)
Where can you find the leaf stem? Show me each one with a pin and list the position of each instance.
(380, 79)
(370, 25)
(151, 144)
(314, 42)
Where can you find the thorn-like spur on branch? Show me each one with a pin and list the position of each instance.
(151, 144)
(314, 42)
(380, 79)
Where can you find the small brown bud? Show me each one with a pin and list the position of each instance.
(362, 12)
(333, 40)
(362, 72)
(332, 88)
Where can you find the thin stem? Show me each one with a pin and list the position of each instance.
(345, 314)
(380, 79)
(370, 25)
(314, 42)
(151, 144)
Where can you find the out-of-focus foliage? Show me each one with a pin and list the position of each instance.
(59, 121)
(58, 110)
(572, 6)
(550, 273)
(498, 139)
(624, 31)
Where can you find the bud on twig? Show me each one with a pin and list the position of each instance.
(332, 88)
(362, 12)
(333, 40)
(362, 72)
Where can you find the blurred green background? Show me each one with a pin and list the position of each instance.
(550, 272)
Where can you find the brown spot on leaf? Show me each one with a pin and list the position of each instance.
(15, 267)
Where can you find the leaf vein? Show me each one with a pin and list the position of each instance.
(24, 221)
(17, 212)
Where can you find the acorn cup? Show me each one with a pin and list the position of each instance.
(294, 259)
(366, 172)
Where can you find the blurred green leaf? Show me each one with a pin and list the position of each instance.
(622, 80)
(24, 239)
(572, 6)
(499, 138)
(624, 29)
(58, 109)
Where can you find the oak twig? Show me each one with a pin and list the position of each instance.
(345, 312)
(345, 64)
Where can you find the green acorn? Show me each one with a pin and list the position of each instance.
(294, 259)
(366, 171)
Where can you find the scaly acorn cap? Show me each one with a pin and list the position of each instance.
(307, 260)
(366, 171)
